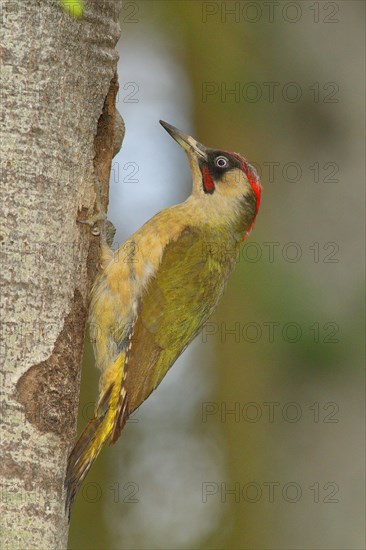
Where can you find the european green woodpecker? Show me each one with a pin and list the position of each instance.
(154, 294)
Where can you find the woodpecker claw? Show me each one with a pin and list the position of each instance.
(92, 222)
(99, 216)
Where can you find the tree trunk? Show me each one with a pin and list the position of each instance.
(58, 115)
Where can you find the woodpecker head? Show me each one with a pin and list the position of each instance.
(227, 183)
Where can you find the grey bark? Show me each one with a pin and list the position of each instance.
(58, 85)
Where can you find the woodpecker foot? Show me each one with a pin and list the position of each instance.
(99, 216)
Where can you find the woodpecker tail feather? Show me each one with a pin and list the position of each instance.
(96, 433)
(120, 418)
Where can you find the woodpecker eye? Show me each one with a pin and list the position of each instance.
(221, 162)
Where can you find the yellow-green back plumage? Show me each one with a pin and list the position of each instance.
(176, 303)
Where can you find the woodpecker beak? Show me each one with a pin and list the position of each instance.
(188, 143)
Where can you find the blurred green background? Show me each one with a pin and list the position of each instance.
(255, 438)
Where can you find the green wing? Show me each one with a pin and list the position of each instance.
(177, 302)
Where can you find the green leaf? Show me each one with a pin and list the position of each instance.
(73, 7)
